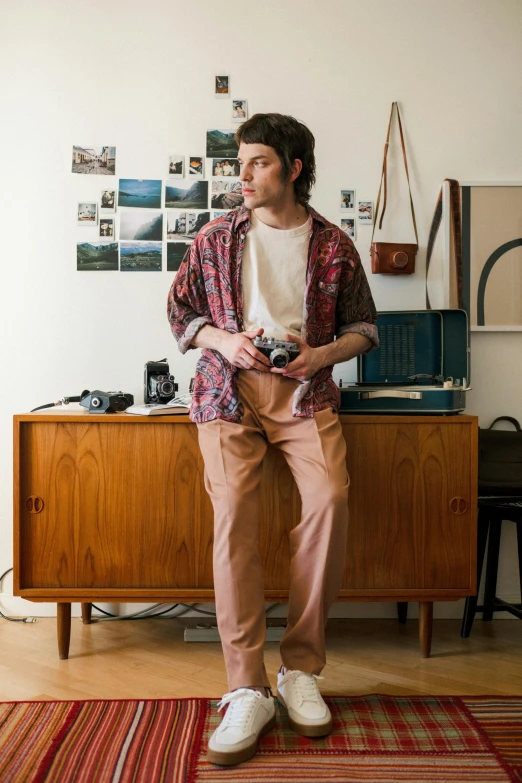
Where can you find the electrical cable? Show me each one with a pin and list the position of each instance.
(14, 619)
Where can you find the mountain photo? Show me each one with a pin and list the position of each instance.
(187, 195)
(221, 144)
(140, 256)
(145, 226)
(96, 256)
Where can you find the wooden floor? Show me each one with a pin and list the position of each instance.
(149, 659)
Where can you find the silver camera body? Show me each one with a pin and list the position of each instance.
(280, 352)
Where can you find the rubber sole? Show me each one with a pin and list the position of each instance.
(230, 759)
(307, 730)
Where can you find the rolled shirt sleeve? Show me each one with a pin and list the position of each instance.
(187, 305)
(356, 310)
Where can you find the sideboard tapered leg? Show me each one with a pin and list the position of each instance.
(64, 630)
(86, 613)
(425, 627)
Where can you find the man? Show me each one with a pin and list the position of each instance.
(274, 267)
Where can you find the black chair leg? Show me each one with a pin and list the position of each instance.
(470, 606)
(490, 588)
(402, 611)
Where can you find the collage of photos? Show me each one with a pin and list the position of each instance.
(363, 214)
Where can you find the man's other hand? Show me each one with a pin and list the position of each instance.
(240, 352)
(303, 366)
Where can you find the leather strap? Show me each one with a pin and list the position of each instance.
(455, 213)
(384, 178)
(513, 421)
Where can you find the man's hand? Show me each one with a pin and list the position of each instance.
(303, 366)
(240, 352)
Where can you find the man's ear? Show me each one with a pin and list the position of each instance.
(297, 168)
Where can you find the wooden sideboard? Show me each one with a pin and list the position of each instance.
(113, 508)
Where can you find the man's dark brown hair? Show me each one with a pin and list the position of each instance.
(290, 139)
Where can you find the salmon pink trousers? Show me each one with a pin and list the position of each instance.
(315, 451)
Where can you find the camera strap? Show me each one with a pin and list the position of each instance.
(62, 401)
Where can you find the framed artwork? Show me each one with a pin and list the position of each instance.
(492, 254)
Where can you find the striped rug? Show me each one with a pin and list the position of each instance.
(376, 739)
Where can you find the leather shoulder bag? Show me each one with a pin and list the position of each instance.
(393, 258)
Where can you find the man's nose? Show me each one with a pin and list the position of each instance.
(245, 175)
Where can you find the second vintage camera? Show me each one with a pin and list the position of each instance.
(280, 352)
(159, 384)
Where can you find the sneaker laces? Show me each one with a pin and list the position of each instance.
(305, 685)
(241, 704)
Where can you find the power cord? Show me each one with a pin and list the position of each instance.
(14, 619)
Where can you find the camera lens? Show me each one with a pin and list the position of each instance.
(165, 388)
(279, 358)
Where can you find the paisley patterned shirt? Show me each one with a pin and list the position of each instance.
(207, 290)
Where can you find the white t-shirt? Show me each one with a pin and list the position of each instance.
(274, 278)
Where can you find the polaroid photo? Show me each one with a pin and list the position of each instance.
(222, 86)
(348, 226)
(348, 200)
(108, 201)
(94, 160)
(142, 193)
(225, 167)
(176, 166)
(96, 256)
(141, 226)
(221, 144)
(106, 227)
(196, 166)
(239, 110)
(226, 195)
(365, 211)
(140, 256)
(176, 252)
(87, 213)
(187, 194)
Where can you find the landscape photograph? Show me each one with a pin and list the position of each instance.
(176, 224)
(187, 195)
(221, 144)
(226, 195)
(143, 193)
(144, 226)
(140, 256)
(175, 254)
(96, 256)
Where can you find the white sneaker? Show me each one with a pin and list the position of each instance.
(248, 717)
(307, 712)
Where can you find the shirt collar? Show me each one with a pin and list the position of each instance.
(243, 216)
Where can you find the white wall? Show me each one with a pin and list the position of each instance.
(139, 76)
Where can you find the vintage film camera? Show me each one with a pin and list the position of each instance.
(106, 402)
(280, 352)
(159, 384)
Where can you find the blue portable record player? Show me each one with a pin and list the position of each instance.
(422, 365)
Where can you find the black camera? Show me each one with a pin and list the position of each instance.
(280, 352)
(159, 384)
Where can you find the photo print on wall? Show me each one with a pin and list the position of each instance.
(175, 254)
(196, 165)
(176, 224)
(222, 86)
(108, 201)
(221, 144)
(140, 256)
(142, 193)
(348, 200)
(93, 160)
(239, 110)
(176, 166)
(348, 226)
(141, 226)
(365, 211)
(87, 213)
(187, 195)
(225, 167)
(96, 256)
(107, 227)
(226, 195)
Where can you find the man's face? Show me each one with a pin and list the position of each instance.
(261, 176)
